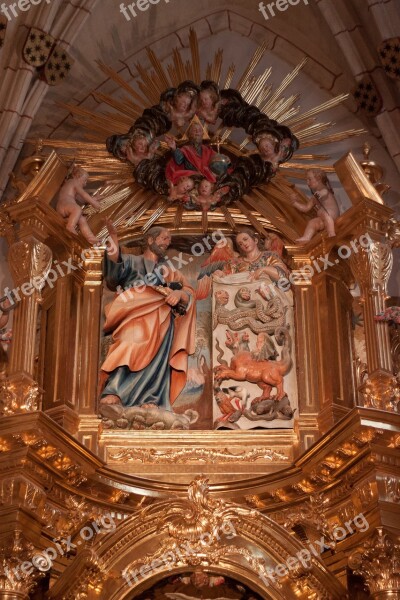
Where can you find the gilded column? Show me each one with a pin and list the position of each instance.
(89, 325)
(371, 268)
(306, 348)
(29, 262)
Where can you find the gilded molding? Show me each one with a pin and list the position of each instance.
(204, 455)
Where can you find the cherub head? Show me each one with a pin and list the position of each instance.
(209, 95)
(80, 174)
(206, 188)
(318, 179)
(140, 144)
(268, 146)
(184, 185)
(182, 102)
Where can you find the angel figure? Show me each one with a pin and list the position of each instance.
(222, 252)
(180, 104)
(273, 243)
(208, 106)
(272, 149)
(180, 191)
(140, 148)
(207, 198)
(71, 199)
(323, 203)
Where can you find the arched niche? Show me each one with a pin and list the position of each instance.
(176, 535)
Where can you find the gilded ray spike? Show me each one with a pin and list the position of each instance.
(285, 83)
(122, 83)
(335, 137)
(144, 208)
(257, 87)
(285, 105)
(228, 217)
(229, 77)
(256, 58)
(156, 215)
(133, 111)
(263, 95)
(295, 165)
(332, 103)
(216, 67)
(194, 49)
(148, 86)
(250, 217)
(313, 130)
(161, 74)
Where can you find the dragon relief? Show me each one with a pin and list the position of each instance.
(254, 367)
(256, 315)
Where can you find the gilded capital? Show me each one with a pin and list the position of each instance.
(377, 561)
(29, 260)
(17, 573)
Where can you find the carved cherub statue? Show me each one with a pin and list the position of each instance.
(71, 199)
(140, 148)
(180, 104)
(180, 191)
(206, 197)
(271, 149)
(323, 202)
(208, 105)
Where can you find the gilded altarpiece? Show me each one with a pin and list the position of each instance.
(286, 454)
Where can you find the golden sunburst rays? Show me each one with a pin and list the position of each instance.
(128, 204)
